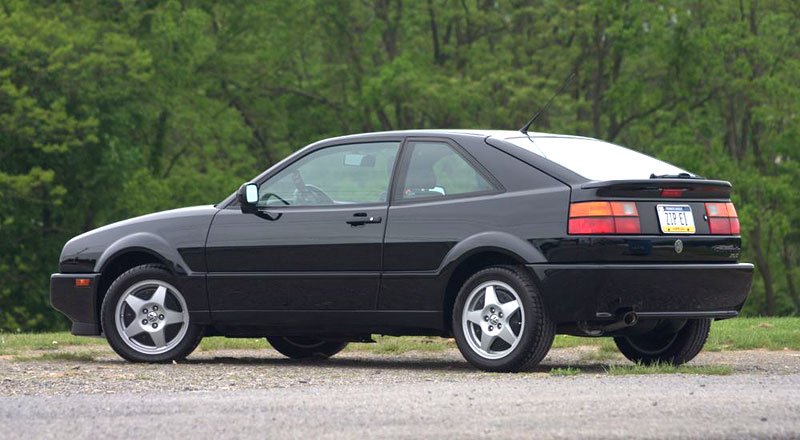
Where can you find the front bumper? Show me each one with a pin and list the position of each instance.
(79, 304)
(597, 292)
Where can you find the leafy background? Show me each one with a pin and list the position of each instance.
(110, 109)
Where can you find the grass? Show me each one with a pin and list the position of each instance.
(396, 345)
(12, 343)
(755, 333)
(566, 371)
(728, 335)
(221, 343)
(59, 356)
(634, 369)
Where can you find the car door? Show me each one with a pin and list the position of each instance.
(442, 196)
(315, 245)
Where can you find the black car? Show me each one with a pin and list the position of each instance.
(500, 239)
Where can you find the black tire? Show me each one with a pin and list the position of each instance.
(664, 346)
(301, 347)
(534, 338)
(190, 338)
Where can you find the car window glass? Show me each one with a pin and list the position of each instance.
(437, 170)
(595, 159)
(346, 174)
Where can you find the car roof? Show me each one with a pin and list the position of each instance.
(498, 134)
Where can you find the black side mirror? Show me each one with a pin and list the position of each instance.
(248, 198)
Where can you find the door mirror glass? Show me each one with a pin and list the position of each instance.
(248, 197)
(251, 193)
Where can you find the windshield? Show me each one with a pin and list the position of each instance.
(597, 160)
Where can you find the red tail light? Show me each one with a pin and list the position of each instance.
(722, 219)
(591, 218)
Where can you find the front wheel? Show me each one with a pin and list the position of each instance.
(500, 322)
(145, 317)
(666, 344)
(298, 347)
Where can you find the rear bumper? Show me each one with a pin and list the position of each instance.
(79, 304)
(596, 292)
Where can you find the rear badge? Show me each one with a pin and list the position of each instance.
(678, 246)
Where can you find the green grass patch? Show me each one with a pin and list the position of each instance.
(395, 344)
(730, 334)
(755, 333)
(705, 370)
(222, 343)
(58, 356)
(565, 371)
(12, 343)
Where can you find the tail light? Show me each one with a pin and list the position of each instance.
(722, 219)
(590, 218)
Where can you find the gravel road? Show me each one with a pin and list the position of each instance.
(357, 394)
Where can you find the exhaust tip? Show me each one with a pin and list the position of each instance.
(630, 318)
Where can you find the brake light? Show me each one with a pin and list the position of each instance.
(672, 192)
(592, 218)
(722, 219)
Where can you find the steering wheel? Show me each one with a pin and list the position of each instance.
(311, 195)
(266, 196)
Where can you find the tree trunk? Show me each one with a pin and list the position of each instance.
(788, 264)
(762, 263)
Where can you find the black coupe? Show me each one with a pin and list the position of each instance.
(500, 239)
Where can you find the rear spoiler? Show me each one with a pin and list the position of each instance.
(658, 188)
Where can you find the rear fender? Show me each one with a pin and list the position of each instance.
(493, 241)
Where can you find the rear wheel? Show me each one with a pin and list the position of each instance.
(499, 320)
(300, 347)
(665, 344)
(145, 317)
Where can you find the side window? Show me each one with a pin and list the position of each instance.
(437, 170)
(345, 174)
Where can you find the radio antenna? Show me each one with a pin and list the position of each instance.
(569, 79)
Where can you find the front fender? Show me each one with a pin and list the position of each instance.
(144, 242)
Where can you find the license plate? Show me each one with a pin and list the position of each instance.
(676, 219)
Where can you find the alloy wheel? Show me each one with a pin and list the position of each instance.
(493, 319)
(151, 317)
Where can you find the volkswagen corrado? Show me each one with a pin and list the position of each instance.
(499, 239)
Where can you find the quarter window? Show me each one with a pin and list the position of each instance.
(341, 175)
(436, 169)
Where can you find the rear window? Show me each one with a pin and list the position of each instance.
(596, 160)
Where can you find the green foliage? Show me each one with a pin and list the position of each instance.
(114, 109)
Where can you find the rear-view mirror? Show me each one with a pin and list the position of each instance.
(359, 160)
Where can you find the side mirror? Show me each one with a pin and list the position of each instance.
(248, 197)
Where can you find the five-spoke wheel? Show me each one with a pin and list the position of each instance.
(145, 317)
(151, 316)
(493, 319)
(499, 320)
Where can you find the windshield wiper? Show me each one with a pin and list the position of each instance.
(675, 176)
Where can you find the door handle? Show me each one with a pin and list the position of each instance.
(360, 218)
